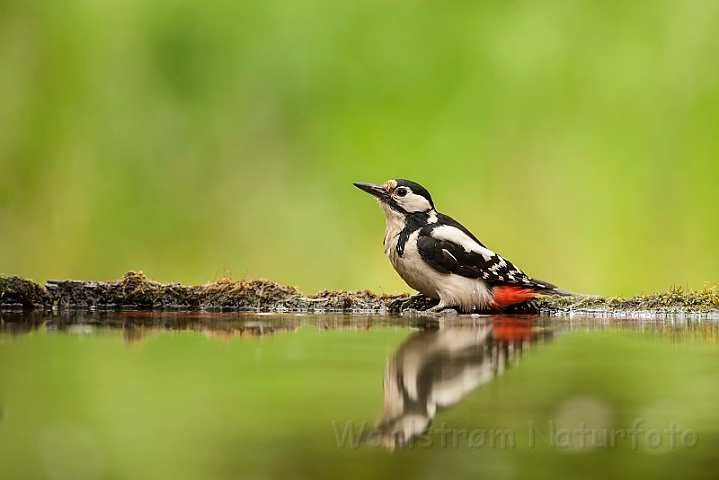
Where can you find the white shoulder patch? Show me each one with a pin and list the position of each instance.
(432, 217)
(455, 235)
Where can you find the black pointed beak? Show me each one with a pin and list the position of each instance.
(374, 190)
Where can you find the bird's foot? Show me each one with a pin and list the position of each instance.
(413, 302)
(442, 309)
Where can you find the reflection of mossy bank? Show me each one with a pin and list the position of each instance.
(135, 291)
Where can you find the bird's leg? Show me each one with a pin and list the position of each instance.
(407, 302)
(439, 307)
(435, 309)
(402, 303)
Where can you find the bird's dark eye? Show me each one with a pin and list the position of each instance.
(402, 192)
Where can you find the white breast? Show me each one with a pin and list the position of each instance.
(451, 290)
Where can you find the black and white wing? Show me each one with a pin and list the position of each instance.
(448, 247)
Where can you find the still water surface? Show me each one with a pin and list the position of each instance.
(227, 396)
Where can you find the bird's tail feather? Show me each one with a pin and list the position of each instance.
(546, 288)
(557, 292)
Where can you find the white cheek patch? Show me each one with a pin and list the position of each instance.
(457, 236)
(414, 203)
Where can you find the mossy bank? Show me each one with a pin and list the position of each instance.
(135, 292)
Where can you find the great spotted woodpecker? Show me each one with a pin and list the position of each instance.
(441, 259)
(437, 368)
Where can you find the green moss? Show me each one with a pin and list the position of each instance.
(136, 291)
(21, 293)
(676, 300)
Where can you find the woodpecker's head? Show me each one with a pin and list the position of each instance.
(400, 197)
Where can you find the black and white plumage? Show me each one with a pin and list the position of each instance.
(436, 369)
(441, 259)
(432, 371)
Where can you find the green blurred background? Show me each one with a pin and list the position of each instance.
(196, 139)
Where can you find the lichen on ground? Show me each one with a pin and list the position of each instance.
(136, 292)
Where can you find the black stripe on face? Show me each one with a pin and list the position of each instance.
(396, 207)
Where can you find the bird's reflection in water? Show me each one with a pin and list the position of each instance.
(436, 368)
